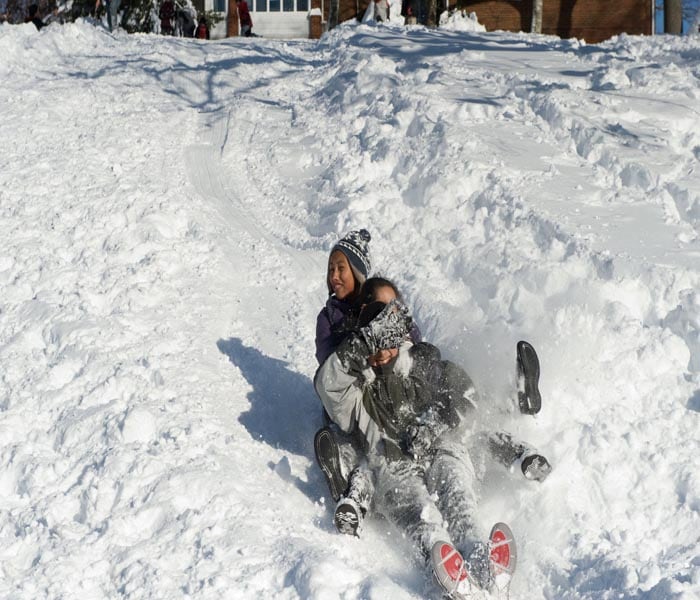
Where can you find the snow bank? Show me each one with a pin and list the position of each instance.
(168, 207)
(459, 20)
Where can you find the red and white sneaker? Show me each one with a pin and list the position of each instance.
(503, 556)
(449, 571)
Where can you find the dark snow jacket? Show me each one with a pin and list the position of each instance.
(335, 322)
(166, 14)
(399, 409)
(38, 23)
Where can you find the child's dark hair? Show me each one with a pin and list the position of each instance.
(369, 290)
(367, 305)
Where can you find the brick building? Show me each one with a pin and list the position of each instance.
(590, 20)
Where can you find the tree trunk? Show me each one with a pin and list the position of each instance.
(430, 18)
(537, 8)
(232, 29)
(673, 16)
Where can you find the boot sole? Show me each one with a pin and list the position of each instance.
(529, 398)
(326, 450)
(348, 517)
(448, 569)
(503, 556)
(536, 468)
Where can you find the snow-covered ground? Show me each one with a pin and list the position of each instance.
(166, 209)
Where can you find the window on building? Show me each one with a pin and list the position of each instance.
(281, 5)
(220, 5)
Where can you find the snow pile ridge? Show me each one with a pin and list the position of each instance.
(167, 208)
(459, 20)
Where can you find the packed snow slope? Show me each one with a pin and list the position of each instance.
(167, 207)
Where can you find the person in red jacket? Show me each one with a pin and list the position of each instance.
(202, 31)
(166, 14)
(246, 23)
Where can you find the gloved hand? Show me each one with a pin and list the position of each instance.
(388, 329)
(419, 438)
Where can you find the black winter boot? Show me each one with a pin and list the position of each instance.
(352, 508)
(535, 467)
(328, 458)
(529, 398)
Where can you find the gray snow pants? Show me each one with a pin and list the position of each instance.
(437, 501)
(432, 502)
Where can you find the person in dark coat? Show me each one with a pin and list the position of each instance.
(415, 415)
(166, 14)
(33, 17)
(185, 22)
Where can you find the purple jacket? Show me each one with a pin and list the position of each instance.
(334, 323)
(330, 330)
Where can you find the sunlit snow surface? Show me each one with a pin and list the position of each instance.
(166, 209)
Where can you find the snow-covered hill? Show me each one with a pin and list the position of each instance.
(166, 209)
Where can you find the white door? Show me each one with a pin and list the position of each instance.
(280, 18)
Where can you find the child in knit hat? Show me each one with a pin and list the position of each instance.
(348, 268)
(337, 453)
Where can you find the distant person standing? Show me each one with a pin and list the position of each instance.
(33, 17)
(246, 23)
(166, 14)
(202, 32)
(185, 22)
(409, 10)
(381, 11)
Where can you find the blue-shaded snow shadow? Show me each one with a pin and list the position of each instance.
(694, 401)
(198, 81)
(284, 409)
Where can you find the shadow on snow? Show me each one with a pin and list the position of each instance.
(204, 73)
(284, 410)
